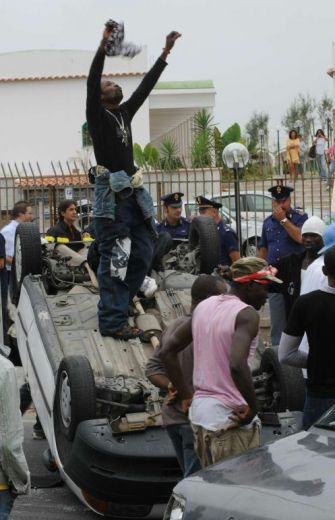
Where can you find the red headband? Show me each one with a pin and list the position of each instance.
(259, 276)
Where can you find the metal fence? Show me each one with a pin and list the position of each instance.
(45, 189)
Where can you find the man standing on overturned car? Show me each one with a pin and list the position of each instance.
(225, 335)
(123, 209)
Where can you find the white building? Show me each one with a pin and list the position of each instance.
(42, 103)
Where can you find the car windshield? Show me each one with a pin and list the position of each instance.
(327, 420)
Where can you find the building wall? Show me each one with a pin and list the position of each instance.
(42, 120)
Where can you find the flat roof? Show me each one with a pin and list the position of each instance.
(196, 84)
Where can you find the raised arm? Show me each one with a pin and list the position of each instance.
(93, 102)
(150, 79)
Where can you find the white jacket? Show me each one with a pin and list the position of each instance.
(14, 471)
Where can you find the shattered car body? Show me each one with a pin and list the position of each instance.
(100, 415)
(292, 478)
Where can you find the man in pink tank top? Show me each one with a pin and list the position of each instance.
(224, 329)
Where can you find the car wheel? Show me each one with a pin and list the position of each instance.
(75, 394)
(27, 257)
(249, 247)
(286, 385)
(204, 238)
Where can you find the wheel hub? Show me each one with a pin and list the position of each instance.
(18, 259)
(65, 399)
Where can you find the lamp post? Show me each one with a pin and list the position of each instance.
(236, 156)
(261, 139)
(329, 125)
(247, 139)
(298, 125)
(278, 150)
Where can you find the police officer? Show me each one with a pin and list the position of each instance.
(173, 228)
(174, 224)
(228, 239)
(281, 236)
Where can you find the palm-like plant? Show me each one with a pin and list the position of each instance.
(169, 153)
(203, 146)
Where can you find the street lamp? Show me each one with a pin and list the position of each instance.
(298, 125)
(278, 150)
(329, 117)
(236, 156)
(261, 135)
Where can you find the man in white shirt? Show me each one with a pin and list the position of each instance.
(21, 212)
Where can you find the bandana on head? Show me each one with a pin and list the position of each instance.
(265, 276)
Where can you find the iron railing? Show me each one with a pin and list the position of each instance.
(45, 190)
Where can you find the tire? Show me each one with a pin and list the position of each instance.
(288, 381)
(204, 237)
(249, 247)
(27, 257)
(75, 399)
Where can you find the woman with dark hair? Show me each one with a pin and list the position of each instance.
(293, 153)
(320, 141)
(65, 231)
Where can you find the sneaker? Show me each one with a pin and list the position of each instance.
(148, 287)
(38, 433)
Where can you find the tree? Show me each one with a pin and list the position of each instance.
(302, 108)
(169, 154)
(231, 135)
(324, 106)
(146, 158)
(258, 121)
(203, 148)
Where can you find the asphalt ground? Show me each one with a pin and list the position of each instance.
(49, 498)
(52, 503)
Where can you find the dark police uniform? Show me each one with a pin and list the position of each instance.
(228, 238)
(182, 228)
(279, 244)
(274, 235)
(61, 233)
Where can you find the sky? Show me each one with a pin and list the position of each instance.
(260, 54)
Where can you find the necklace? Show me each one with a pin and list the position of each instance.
(121, 125)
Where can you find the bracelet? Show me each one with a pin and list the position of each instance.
(165, 49)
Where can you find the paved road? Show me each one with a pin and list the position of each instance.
(53, 503)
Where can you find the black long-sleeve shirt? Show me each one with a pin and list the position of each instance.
(109, 149)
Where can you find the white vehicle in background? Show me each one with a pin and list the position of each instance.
(255, 207)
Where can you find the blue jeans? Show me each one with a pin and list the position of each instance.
(6, 504)
(277, 315)
(182, 439)
(322, 166)
(314, 408)
(125, 248)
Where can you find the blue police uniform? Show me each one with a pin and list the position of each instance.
(228, 242)
(179, 231)
(228, 238)
(276, 239)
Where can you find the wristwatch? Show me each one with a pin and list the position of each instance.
(283, 221)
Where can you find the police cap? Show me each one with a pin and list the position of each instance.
(280, 192)
(207, 203)
(174, 200)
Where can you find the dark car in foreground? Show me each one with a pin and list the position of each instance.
(290, 479)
